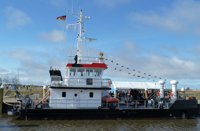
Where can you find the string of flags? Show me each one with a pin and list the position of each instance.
(133, 72)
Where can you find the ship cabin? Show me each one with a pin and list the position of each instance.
(82, 86)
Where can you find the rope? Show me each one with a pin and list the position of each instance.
(10, 104)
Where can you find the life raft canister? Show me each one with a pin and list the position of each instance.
(171, 94)
(109, 83)
(158, 94)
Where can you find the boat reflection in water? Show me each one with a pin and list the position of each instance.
(10, 123)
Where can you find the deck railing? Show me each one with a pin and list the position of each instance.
(82, 82)
(98, 104)
(86, 60)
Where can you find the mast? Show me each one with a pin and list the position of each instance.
(80, 34)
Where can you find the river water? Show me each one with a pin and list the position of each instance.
(11, 124)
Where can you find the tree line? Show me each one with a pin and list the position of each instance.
(7, 80)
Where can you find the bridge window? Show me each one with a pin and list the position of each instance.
(89, 72)
(89, 81)
(97, 72)
(91, 94)
(63, 94)
(72, 72)
(80, 72)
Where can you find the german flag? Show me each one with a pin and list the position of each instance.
(62, 18)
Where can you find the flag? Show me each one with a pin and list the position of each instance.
(154, 76)
(144, 73)
(106, 59)
(134, 75)
(142, 77)
(160, 78)
(115, 68)
(133, 70)
(111, 61)
(129, 73)
(138, 71)
(122, 66)
(149, 75)
(117, 64)
(127, 68)
(71, 27)
(120, 70)
(138, 76)
(62, 18)
(153, 80)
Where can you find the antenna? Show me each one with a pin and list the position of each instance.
(72, 6)
(81, 33)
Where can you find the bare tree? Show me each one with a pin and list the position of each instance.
(15, 80)
(6, 79)
(0, 81)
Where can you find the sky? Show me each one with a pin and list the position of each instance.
(155, 37)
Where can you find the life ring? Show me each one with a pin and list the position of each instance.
(171, 94)
(158, 94)
(109, 83)
(43, 101)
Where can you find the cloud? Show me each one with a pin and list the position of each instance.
(3, 71)
(130, 46)
(183, 16)
(16, 18)
(54, 36)
(59, 3)
(111, 3)
(158, 64)
(21, 54)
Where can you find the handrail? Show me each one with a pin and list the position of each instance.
(86, 60)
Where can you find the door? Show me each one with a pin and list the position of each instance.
(76, 99)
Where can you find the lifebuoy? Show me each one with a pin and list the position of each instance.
(158, 94)
(171, 94)
(109, 83)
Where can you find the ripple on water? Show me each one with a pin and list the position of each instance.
(10, 124)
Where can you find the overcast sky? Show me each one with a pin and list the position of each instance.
(155, 37)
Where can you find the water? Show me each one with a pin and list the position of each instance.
(10, 123)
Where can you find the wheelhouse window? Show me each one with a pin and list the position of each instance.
(91, 94)
(97, 72)
(89, 81)
(89, 72)
(80, 72)
(72, 72)
(63, 94)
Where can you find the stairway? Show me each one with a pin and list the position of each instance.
(8, 93)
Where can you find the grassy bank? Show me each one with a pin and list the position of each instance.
(25, 92)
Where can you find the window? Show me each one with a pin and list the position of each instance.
(91, 94)
(75, 95)
(89, 81)
(97, 72)
(89, 72)
(63, 94)
(80, 72)
(72, 72)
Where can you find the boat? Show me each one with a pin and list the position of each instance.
(83, 93)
